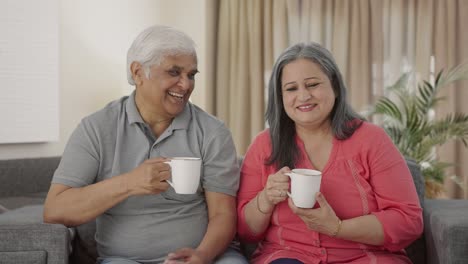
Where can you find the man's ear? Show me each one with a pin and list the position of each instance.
(137, 72)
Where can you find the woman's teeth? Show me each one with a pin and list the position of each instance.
(304, 107)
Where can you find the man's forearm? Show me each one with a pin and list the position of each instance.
(220, 232)
(76, 206)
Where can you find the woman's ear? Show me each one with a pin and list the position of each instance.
(137, 72)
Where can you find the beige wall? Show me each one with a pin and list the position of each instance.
(94, 38)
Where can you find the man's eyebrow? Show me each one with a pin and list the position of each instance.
(177, 67)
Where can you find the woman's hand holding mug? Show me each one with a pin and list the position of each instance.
(276, 188)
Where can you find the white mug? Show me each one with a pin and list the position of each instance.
(185, 173)
(305, 184)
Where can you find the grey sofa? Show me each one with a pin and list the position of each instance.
(24, 238)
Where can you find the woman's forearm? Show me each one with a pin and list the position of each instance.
(363, 229)
(258, 213)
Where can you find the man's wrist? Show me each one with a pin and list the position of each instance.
(204, 256)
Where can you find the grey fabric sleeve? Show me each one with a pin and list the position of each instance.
(220, 166)
(80, 161)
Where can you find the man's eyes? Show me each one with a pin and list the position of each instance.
(191, 76)
(175, 73)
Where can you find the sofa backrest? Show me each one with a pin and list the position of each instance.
(25, 176)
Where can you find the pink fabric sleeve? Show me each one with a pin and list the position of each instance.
(399, 210)
(250, 185)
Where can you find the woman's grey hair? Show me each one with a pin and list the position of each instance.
(153, 44)
(344, 120)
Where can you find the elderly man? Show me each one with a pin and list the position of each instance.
(114, 166)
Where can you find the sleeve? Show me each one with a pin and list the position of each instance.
(79, 164)
(220, 164)
(399, 210)
(250, 184)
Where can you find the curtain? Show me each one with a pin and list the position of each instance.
(450, 44)
(250, 33)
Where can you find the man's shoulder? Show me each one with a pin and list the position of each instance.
(107, 115)
(104, 121)
(205, 120)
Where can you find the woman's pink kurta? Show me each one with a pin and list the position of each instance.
(365, 174)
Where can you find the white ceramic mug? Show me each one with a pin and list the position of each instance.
(185, 172)
(305, 184)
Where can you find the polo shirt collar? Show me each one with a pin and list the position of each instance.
(132, 111)
(181, 121)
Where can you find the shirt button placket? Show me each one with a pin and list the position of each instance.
(323, 253)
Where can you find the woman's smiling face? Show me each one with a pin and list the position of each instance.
(308, 97)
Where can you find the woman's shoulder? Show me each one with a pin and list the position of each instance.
(263, 138)
(366, 136)
(369, 131)
(261, 142)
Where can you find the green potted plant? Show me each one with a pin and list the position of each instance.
(407, 114)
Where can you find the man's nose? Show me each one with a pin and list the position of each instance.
(184, 82)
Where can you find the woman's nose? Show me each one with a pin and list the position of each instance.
(304, 95)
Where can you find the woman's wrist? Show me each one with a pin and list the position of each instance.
(263, 209)
(337, 229)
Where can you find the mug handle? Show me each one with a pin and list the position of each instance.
(289, 175)
(168, 181)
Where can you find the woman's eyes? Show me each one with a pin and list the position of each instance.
(309, 85)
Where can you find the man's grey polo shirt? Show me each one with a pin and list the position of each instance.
(115, 140)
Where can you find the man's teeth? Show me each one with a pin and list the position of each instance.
(176, 95)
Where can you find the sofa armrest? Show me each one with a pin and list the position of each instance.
(446, 231)
(52, 239)
(24, 238)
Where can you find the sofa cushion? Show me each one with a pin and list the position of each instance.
(24, 257)
(14, 202)
(25, 215)
(446, 231)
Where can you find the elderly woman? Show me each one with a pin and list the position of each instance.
(113, 168)
(367, 210)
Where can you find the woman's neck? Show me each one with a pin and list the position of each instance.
(314, 134)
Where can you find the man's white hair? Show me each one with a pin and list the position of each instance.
(154, 43)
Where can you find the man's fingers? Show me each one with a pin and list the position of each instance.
(157, 160)
(182, 253)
